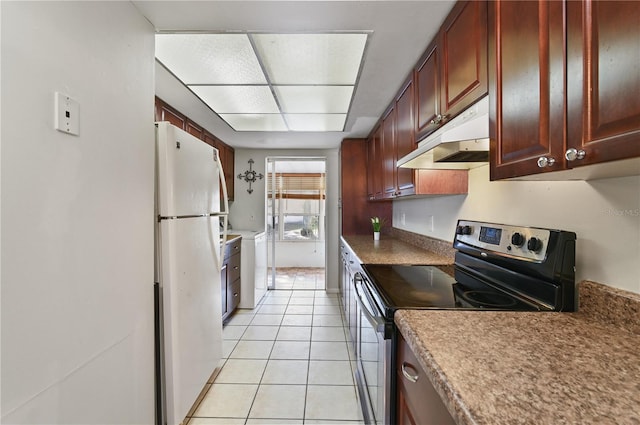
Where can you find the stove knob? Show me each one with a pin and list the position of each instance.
(517, 239)
(534, 244)
(464, 230)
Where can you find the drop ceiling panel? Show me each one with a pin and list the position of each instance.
(255, 122)
(210, 58)
(238, 99)
(311, 58)
(314, 99)
(316, 122)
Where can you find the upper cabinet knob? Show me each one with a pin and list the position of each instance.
(439, 119)
(573, 154)
(546, 161)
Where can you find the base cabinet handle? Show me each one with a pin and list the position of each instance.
(410, 377)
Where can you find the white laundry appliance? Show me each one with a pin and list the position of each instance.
(253, 267)
(188, 263)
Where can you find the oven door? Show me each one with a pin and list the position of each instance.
(373, 354)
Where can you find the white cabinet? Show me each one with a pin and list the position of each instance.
(253, 267)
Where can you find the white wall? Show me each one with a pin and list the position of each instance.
(605, 215)
(300, 254)
(248, 210)
(77, 215)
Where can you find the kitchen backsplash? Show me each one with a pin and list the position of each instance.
(605, 304)
(438, 246)
(605, 215)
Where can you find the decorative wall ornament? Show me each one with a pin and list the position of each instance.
(250, 175)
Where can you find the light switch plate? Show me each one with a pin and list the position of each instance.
(67, 114)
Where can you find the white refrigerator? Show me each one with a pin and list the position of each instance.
(190, 229)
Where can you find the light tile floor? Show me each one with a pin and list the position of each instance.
(298, 278)
(285, 362)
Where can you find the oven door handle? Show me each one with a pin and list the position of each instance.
(377, 321)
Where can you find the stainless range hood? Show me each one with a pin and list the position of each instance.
(462, 143)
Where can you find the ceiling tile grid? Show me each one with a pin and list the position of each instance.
(268, 81)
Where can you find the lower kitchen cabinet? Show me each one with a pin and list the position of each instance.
(417, 401)
(230, 278)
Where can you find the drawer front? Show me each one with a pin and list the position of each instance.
(232, 248)
(233, 273)
(233, 295)
(421, 399)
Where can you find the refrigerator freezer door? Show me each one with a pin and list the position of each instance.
(188, 178)
(192, 309)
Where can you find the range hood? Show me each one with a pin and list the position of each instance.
(462, 143)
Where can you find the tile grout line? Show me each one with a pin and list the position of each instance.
(324, 306)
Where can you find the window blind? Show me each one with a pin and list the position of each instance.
(297, 185)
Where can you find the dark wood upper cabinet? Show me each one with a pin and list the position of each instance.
(164, 112)
(194, 129)
(603, 84)
(554, 108)
(374, 164)
(464, 57)
(229, 170)
(356, 208)
(526, 81)
(428, 91)
(452, 73)
(389, 188)
(405, 137)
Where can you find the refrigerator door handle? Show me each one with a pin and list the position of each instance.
(224, 215)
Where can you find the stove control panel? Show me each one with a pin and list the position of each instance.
(516, 241)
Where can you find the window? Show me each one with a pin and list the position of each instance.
(299, 205)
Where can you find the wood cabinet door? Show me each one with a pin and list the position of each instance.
(389, 186)
(224, 290)
(374, 164)
(371, 171)
(463, 45)
(194, 129)
(526, 85)
(405, 142)
(355, 214)
(229, 170)
(164, 112)
(417, 401)
(603, 80)
(428, 92)
(378, 165)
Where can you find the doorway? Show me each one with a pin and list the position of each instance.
(295, 216)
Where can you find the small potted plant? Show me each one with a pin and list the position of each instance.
(376, 222)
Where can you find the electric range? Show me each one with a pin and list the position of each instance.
(497, 267)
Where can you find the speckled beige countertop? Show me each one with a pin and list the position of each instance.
(390, 250)
(528, 368)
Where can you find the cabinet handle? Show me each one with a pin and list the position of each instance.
(573, 154)
(411, 378)
(439, 119)
(235, 267)
(546, 161)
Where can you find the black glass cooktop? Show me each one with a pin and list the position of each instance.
(435, 287)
